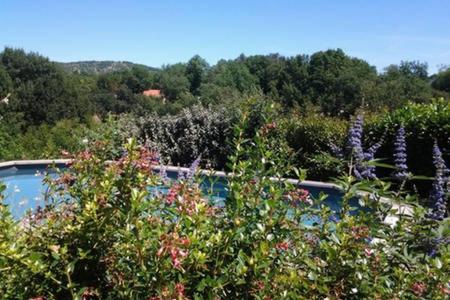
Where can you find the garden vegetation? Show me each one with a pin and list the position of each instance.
(103, 234)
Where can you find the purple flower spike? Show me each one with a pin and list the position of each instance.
(163, 173)
(362, 169)
(181, 175)
(400, 156)
(437, 198)
(438, 161)
(368, 171)
(336, 150)
(437, 194)
(193, 168)
(355, 135)
(354, 145)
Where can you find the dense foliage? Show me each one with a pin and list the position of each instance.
(115, 238)
(40, 93)
(194, 132)
(98, 67)
(442, 80)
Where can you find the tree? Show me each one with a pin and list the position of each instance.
(267, 68)
(442, 81)
(405, 82)
(293, 81)
(195, 71)
(233, 74)
(41, 88)
(340, 83)
(173, 80)
(414, 69)
(6, 85)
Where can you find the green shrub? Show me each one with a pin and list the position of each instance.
(180, 139)
(47, 141)
(424, 124)
(310, 137)
(44, 141)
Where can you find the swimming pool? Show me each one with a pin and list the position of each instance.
(26, 190)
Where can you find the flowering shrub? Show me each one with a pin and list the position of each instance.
(423, 124)
(183, 137)
(105, 234)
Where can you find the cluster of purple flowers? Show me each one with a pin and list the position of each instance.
(355, 135)
(193, 168)
(163, 173)
(369, 170)
(437, 195)
(189, 174)
(361, 159)
(434, 244)
(337, 151)
(400, 156)
(362, 169)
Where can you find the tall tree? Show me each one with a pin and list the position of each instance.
(405, 82)
(196, 71)
(340, 83)
(41, 88)
(442, 81)
(173, 81)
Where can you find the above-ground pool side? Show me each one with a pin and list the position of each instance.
(34, 162)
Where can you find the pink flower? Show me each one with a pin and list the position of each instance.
(444, 290)
(176, 263)
(160, 251)
(85, 155)
(172, 194)
(419, 288)
(360, 232)
(298, 196)
(368, 252)
(260, 285)
(65, 153)
(268, 127)
(179, 287)
(177, 255)
(283, 246)
(170, 244)
(185, 241)
(183, 253)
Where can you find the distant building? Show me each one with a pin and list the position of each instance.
(152, 93)
(155, 94)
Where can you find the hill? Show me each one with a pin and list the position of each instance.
(99, 67)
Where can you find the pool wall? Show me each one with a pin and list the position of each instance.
(34, 163)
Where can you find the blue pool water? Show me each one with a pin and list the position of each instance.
(26, 190)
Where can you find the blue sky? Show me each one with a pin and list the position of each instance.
(168, 31)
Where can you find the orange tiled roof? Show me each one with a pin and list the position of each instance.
(152, 93)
